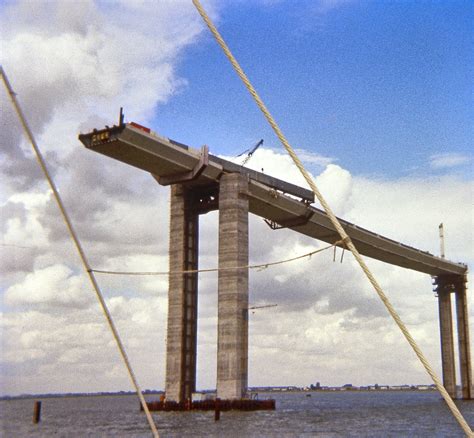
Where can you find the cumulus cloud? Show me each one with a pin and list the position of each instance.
(72, 68)
(75, 66)
(53, 286)
(410, 210)
(74, 350)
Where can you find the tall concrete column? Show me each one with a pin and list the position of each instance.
(232, 332)
(182, 298)
(463, 339)
(447, 342)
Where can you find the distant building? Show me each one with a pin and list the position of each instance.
(315, 387)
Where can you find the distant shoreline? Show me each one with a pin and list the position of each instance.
(403, 388)
(76, 394)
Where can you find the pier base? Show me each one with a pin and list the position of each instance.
(210, 405)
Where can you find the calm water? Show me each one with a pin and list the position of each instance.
(348, 414)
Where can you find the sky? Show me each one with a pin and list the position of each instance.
(375, 97)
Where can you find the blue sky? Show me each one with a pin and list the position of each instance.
(379, 86)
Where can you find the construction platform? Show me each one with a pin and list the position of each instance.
(245, 404)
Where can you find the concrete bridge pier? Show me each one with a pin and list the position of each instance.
(447, 341)
(233, 291)
(230, 196)
(463, 339)
(182, 297)
(445, 286)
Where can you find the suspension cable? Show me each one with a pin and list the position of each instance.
(335, 222)
(80, 250)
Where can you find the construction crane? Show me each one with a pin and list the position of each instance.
(250, 152)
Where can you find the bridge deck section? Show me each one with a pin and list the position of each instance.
(273, 199)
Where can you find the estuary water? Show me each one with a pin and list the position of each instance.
(324, 414)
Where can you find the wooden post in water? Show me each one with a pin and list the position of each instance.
(37, 412)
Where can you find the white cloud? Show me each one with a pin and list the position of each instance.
(448, 160)
(410, 209)
(23, 226)
(335, 183)
(54, 286)
(309, 157)
(37, 345)
(72, 68)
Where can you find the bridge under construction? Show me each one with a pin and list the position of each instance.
(201, 182)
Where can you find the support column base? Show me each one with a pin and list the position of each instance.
(244, 404)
